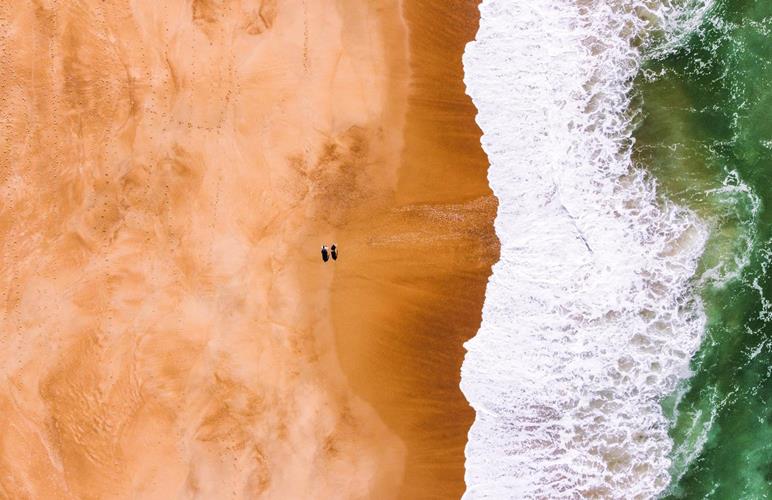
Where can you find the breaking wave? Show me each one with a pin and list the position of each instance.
(590, 317)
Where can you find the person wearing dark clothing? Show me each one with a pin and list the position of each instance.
(334, 252)
(325, 253)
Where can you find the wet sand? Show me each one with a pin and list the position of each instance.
(409, 287)
(168, 173)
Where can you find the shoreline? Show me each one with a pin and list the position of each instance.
(410, 290)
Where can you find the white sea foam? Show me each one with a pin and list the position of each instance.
(739, 202)
(589, 319)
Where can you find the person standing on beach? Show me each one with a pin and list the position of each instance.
(334, 252)
(325, 253)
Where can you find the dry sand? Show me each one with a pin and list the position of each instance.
(168, 172)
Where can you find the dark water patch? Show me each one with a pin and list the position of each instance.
(707, 137)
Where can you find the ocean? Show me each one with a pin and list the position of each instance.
(706, 136)
(624, 350)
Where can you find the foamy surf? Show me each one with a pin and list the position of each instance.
(589, 318)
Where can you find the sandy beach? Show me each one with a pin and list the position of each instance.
(169, 171)
(411, 291)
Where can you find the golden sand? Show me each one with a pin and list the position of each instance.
(168, 173)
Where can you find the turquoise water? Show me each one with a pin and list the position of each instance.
(706, 135)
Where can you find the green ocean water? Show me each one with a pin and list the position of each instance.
(706, 136)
